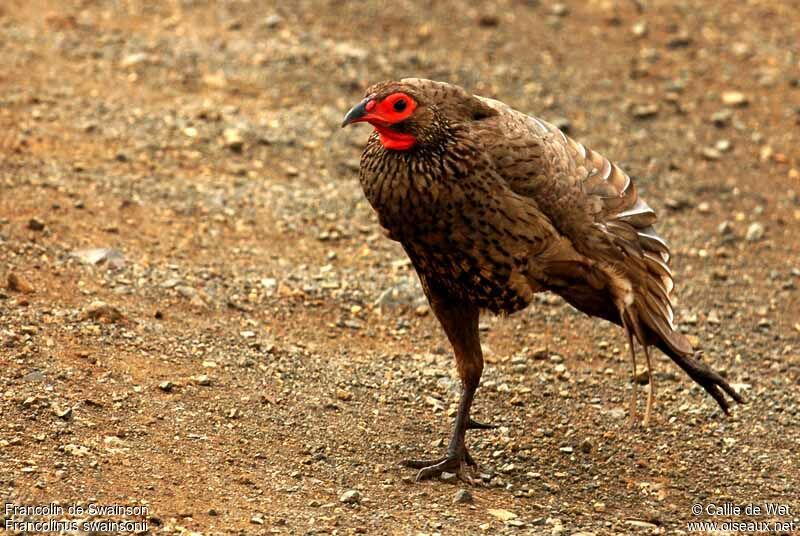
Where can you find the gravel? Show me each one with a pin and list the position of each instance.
(200, 143)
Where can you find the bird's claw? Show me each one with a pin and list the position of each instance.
(472, 424)
(448, 464)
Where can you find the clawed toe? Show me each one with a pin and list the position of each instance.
(449, 464)
(420, 464)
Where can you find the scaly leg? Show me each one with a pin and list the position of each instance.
(460, 323)
(650, 388)
(633, 373)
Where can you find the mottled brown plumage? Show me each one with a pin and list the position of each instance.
(493, 206)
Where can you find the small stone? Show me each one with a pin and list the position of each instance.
(17, 283)
(351, 496)
(273, 21)
(448, 477)
(113, 258)
(102, 312)
(721, 118)
(704, 207)
(725, 228)
(132, 60)
(682, 40)
(723, 146)
(586, 446)
(645, 111)
(488, 20)
(350, 51)
(713, 317)
(64, 414)
(203, 380)
(559, 10)
(502, 515)
(257, 520)
(463, 496)
(566, 450)
(639, 29)
(343, 394)
(755, 232)
(710, 153)
(734, 98)
(641, 524)
(233, 139)
(166, 386)
(35, 224)
(740, 50)
(599, 507)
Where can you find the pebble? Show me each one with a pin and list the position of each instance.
(203, 380)
(710, 153)
(166, 386)
(723, 146)
(725, 228)
(132, 60)
(18, 283)
(502, 515)
(721, 118)
(641, 524)
(102, 312)
(639, 29)
(351, 496)
(645, 111)
(234, 140)
(273, 21)
(734, 98)
(755, 232)
(448, 477)
(113, 258)
(35, 224)
(463, 496)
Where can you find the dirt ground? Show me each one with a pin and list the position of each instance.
(199, 315)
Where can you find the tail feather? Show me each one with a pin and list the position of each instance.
(678, 348)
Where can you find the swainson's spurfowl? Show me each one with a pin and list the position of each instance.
(493, 205)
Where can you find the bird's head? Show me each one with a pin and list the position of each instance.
(398, 111)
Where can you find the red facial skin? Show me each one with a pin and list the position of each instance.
(382, 115)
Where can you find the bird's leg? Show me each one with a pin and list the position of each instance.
(650, 388)
(460, 323)
(633, 388)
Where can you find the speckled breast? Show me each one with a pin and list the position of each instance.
(479, 281)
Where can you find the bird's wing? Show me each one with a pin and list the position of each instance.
(591, 202)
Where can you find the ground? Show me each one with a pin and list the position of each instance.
(199, 314)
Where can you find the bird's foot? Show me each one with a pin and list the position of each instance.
(472, 424)
(452, 463)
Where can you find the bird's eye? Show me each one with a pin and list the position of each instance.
(400, 105)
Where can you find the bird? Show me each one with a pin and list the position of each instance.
(493, 206)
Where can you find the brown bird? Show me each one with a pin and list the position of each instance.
(491, 206)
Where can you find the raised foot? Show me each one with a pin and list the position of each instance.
(448, 464)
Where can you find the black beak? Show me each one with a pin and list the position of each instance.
(356, 113)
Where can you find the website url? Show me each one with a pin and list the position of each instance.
(742, 526)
